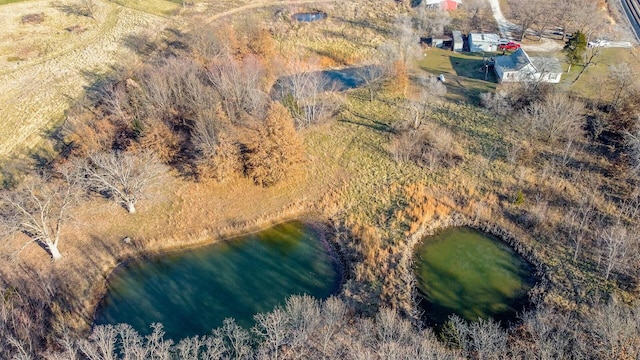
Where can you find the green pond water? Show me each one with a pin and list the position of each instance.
(191, 292)
(469, 273)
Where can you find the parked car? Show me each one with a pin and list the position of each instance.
(509, 46)
(598, 43)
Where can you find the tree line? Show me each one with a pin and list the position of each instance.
(304, 328)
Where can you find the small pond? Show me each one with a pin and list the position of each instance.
(328, 80)
(309, 17)
(472, 274)
(191, 292)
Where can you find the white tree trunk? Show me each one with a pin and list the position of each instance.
(131, 207)
(53, 249)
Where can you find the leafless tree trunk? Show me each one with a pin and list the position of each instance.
(372, 75)
(272, 328)
(239, 84)
(405, 44)
(556, 117)
(309, 96)
(123, 176)
(614, 328)
(38, 208)
(623, 82)
(236, 339)
(615, 242)
(526, 13)
(431, 21)
(590, 56)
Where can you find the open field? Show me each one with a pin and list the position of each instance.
(504, 178)
(45, 66)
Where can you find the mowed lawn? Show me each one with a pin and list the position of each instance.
(599, 71)
(464, 73)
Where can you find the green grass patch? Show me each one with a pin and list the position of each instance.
(464, 74)
(5, 2)
(598, 71)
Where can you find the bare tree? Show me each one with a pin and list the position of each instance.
(578, 220)
(236, 340)
(431, 21)
(556, 117)
(526, 13)
(420, 104)
(543, 22)
(623, 82)
(239, 84)
(478, 12)
(632, 140)
(38, 208)
(310, 96)
(614, 328)
(590, 56)
(405, 44)
(551, 333)
(484, 339)
(372, 75)
(272, 328)
(616, 243)
(125, 177)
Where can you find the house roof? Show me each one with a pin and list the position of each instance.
(547, 64)
(519, 59)
(434, 2)
(514, 62)
(482, 37)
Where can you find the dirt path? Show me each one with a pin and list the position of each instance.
(261, 4)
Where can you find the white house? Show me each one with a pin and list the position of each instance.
(483, 42)
(520, 67)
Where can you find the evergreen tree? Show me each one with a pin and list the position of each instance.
(575, 48)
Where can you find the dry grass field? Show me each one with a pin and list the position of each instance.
(47, 63)
(49, 54)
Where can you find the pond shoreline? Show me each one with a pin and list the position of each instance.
(143, 252)
(457, 219)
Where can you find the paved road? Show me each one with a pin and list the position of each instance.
(631, 8)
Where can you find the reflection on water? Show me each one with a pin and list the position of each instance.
(463, 271)
(193, 291)
(309, 17)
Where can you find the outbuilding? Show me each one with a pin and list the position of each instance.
(479, 42)
(443, 4)
(458, 41)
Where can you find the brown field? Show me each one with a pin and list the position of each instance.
(45, 66)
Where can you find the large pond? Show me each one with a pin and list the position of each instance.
(469, 273)
(191, 292)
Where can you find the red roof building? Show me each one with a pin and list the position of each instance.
(444, 4)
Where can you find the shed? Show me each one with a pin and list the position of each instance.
(443, 4)
(519, 67)
(458, 42)
(483, 42)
